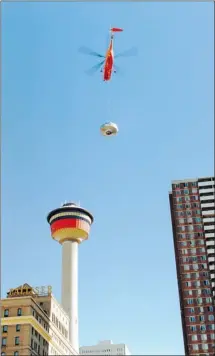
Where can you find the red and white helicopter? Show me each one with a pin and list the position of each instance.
(107, 64)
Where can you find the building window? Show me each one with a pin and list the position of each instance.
(206, 283)
(190, 228)
(204, 346)
(18, 327)
(210, 308)
(19, 312)
(194, 337)
(211, 317)
(211, 327)
(35, 346)
(204, 337)
(198, 292)
(186, 267)
(187, 275)
(202, 318)
(202, 327)
(195, 347)
(17, 340)
(6, 313)
(188, 292)
(192, 319)
(190, 301)
(196, 275)
(16, 353)
(212, 336)
(197, 283)
(4, 341)
(4, 328)
(191, 310)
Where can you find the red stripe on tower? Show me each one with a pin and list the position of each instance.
(66, 223)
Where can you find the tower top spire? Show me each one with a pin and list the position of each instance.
(70, 203)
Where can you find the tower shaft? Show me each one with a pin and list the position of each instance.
(70, 288)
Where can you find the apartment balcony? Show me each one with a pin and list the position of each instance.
(206, 183)
(212, 267)
(210, 243)
(208, 212)
(209, 227)
(207, 190)
(209, 219)
(213, 276)
(207, 197)
(211, 251)
(207, 205)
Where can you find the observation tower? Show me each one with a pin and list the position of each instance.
(70, 225)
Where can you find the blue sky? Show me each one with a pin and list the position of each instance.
(52, 151)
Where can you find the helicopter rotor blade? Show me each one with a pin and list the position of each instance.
(90, 52)
(94, 68)
(128, 53)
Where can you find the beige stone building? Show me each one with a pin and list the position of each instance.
(33, 323)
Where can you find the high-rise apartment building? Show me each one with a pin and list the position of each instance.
(105, 347)
(34, 323)
(192, 204)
